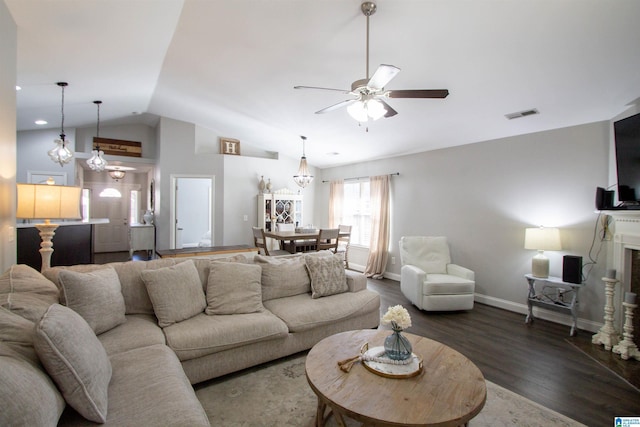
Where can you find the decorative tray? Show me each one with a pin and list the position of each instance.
(390, 370)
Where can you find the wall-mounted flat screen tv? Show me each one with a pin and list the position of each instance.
(627, 142)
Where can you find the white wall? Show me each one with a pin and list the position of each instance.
(482, 196)
(32, 153)
(8, 53)
(242, 175)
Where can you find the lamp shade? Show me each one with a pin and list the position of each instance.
(48, 201)
(542, 239)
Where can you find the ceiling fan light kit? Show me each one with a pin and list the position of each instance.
(370, 93)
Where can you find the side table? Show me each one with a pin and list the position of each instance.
(553, 294)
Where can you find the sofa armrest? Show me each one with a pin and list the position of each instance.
(356, 281)
(457, 270)
(411, 281)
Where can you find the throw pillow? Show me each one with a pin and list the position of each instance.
(176, 292)
(327, 275)
(283, 276)
(75, 359)
(96, 296)
(234, 288)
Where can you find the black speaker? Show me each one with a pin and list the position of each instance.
(572, 269)
(604, 199)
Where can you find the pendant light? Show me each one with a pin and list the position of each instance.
(303, 177)
(97, 162)
(61, 153)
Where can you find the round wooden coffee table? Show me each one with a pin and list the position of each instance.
(449, 391)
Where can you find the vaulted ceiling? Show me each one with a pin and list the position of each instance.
(231, 65)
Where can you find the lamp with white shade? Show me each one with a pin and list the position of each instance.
(47, 202)
(541, 239)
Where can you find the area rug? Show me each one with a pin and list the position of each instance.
(277, 394)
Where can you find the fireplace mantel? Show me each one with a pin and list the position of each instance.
(626, 239)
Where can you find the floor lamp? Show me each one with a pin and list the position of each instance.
(43, 201)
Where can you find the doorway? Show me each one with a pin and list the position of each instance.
(111, 201)
(192, 210)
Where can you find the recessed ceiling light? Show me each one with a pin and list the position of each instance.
(41, 122)
(18, 87)
(333, 153)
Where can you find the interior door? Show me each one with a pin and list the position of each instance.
(114, 236)
(193, 211)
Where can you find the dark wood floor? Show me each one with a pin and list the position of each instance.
(534, 361)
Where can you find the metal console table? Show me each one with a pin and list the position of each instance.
(553, 294)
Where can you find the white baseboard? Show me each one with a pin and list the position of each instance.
(540, 313)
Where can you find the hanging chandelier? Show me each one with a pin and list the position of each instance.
(303, 177)
(61, 153)
(97, 162)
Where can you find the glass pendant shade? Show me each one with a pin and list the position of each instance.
(61, 153)
(303, 177)
(365, 109)
(97, 162)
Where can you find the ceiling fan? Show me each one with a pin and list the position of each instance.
(370, 94)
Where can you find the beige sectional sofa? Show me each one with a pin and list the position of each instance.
(122, 343)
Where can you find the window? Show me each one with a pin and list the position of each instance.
(357, 211)
(134, 207)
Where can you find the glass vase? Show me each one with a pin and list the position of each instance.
(397, 346)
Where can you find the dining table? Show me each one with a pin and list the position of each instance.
(293, 236)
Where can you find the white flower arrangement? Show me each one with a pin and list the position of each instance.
(398, 317)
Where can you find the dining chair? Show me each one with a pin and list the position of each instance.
(344, 239)
(260, 241)
(328, 239)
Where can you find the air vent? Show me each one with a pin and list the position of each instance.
(524, 113)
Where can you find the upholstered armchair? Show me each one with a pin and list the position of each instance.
(428, 278)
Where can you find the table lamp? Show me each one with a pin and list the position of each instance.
(541, 239)
(44, 201)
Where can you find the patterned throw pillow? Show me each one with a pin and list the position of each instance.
(327, 275)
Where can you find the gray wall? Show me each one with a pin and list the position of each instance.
(482, 196)
(8, 53)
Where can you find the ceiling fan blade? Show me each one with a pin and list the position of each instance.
(336, 106)
(390, 111)
(382, 76)
(321, 88)
(418, 93)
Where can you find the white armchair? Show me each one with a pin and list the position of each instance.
(428, 278)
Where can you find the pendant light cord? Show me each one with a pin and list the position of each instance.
(62, 135)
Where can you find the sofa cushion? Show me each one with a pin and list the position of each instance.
(446, 284)
(134, 290)
(283, 276)
(175, 292)
(28, 396)
(22, 278)
(26, 292)
(75, 359)
(234, 288)
(148, 388)
(204, 334)
(96, 296)
(53, 274)
(140, 330)
(17, 333)
(327, 275)
(302, 313)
